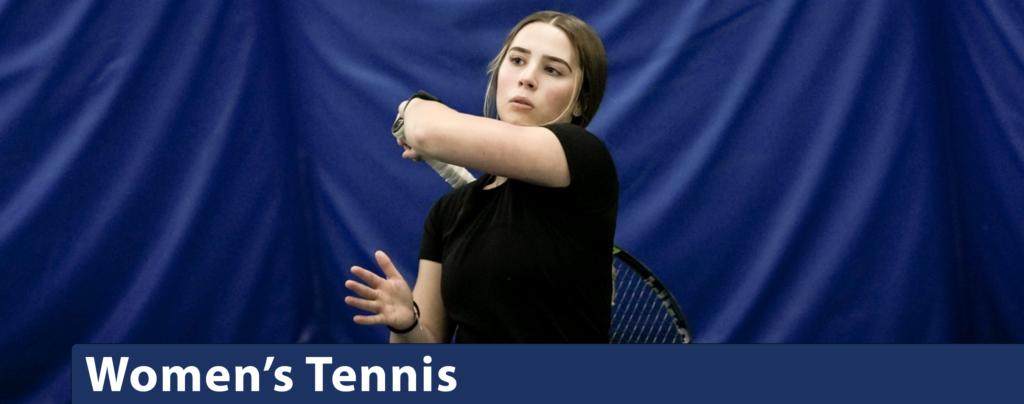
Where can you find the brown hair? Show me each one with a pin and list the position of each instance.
(589, 50)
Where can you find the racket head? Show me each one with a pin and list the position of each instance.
(643, 309)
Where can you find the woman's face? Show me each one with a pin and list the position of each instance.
(537, 78)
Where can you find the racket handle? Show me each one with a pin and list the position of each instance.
(454, 175)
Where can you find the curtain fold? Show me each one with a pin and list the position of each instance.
(795, 171)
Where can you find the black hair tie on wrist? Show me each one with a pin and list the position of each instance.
(400, 121)
(416, 311)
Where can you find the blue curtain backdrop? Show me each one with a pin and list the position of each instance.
(796, 171)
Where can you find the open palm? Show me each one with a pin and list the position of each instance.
(390, 298)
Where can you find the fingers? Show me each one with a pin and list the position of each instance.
(378, 293)
(363, 304)
(369, 277)
(361, 290)
(369, 320)
(411, 155)
(387, 266)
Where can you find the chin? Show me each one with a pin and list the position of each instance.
(519, 119)
(526, 123)
(514, 119)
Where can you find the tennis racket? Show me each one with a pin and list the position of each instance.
(643, 309)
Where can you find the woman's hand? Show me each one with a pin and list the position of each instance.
(409, 152)
(418, 114)
(390, 299)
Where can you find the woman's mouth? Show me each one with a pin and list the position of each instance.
(520, 103)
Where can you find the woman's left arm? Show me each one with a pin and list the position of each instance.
(527, 153)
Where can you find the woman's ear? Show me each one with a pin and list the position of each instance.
(581, 105)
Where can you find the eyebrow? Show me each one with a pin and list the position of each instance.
(551, 58)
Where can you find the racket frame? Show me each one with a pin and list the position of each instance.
(668, 301)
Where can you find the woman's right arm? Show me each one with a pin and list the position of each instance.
(526, 153)
(433, 327)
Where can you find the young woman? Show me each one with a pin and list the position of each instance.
(523, 253)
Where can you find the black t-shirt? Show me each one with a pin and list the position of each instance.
(527, 263)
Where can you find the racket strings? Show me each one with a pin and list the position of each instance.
(623, 308)
(628, 317)
(638, 314)
(635, 315)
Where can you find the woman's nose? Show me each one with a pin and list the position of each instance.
(527, 80)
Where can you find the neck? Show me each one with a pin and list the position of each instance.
(496, 183)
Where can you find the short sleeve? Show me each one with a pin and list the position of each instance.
(593, 180)
(432, 246)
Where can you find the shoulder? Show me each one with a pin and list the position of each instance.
(583, 150)
(592, 173)
(567, 132)
(581, 145)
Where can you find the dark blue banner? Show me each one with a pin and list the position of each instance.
(448, 374)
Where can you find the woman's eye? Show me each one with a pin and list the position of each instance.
(516, 60)
(552, 70)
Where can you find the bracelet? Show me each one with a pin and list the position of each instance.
(416, 311)
(424, 95)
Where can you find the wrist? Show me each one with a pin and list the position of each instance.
(422, 115)
(422, 96)
(398, 128)
(415, 321)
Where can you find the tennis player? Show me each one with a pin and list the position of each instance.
(522, 253)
